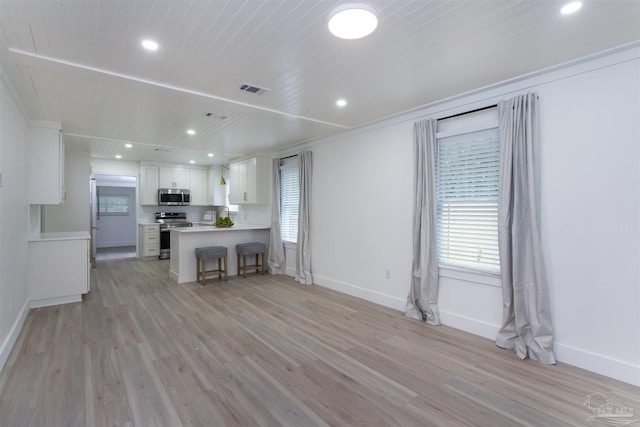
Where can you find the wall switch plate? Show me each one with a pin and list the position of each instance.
(387, 273)
(0, 180)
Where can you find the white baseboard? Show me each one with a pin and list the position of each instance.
(115, 244)
(366, 294)
(55, 301)
(601, 364)
(468, 324)
(598, 363)
(12, 337)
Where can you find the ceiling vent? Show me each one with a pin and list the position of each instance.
(246, 87)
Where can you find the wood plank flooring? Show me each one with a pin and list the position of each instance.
(144, 351)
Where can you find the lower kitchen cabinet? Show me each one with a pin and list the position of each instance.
(149, 238)
(58, 268)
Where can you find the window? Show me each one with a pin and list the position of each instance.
(289, 199)
(467, 176)
(113, 204)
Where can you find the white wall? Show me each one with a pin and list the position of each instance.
(74, 214)
(14, 221)
(362, 213)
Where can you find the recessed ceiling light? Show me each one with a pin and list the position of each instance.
(191, 131)
(570, 8)
(118, 156)
(341, 102)
(352, 21)
(210, 154)
(192, 161)
(128, 145)
(150, 44)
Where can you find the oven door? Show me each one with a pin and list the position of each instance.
(165, 243)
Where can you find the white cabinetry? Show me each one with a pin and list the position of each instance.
(59, 269)
(198, 187)
(249, 181)
(46, 165)
(148, 185)
(216, 193)
(173, 177)
(149, 240)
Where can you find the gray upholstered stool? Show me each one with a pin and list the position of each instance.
(207, 254)
(255, 248)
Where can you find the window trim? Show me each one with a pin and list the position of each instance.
(479, 121)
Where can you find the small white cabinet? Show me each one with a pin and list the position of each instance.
(216, 192)
(198, 188)
(148, 185)
(58, 269)
(149, 240)
(249, 181)
(46, 165)
(173, 177)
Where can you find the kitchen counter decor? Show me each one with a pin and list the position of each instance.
(224, 221)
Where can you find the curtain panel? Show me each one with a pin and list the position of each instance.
(303, 247)
(276, 261)
(422, 302)
(526, 326)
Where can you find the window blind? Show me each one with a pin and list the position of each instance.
(289, 199)
(467, 177)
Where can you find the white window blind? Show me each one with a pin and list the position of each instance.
(289, 199)
(467, 176)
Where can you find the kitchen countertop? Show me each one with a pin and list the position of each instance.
(69, 235)
(210, 228)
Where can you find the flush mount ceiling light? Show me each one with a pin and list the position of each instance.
(352, 21)
(191, 132)
(128, 145)
(150, 44)
(210, 154)
(341, 102)
(570, 8)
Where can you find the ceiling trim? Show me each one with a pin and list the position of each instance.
(169, 87)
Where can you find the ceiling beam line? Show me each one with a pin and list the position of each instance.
(169, 87)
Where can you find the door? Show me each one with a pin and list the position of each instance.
(93, 199)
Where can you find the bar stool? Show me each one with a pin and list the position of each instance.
(255, 248)
(207, 254)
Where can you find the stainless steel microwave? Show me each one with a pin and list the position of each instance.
(174, 197)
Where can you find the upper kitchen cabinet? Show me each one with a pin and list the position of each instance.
(216, 192)
(173, 177)
(198, 187)
(249, 181)
(46, 164)
(148, 185)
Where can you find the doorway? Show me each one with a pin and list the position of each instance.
(115, 217)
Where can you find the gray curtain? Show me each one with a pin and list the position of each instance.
(526, 325)
(422, 302)
(276, 259)
(303, 246)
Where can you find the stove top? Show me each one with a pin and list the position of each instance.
(172, 220)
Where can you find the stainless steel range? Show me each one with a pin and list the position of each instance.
(167, 221)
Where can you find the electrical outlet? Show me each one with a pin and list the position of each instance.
(387, 273)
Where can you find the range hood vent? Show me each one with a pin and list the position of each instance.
(246, 87)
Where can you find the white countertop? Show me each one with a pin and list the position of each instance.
(210, 228)
(69, 235)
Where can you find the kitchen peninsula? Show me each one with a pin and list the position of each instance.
(184, 242)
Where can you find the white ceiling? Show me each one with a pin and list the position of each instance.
(80, 63)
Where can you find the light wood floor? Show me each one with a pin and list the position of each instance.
(115, 253)
(143, 351)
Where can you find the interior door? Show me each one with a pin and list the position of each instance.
(93, 203)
